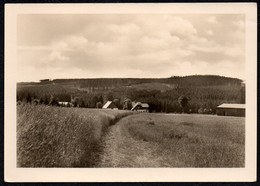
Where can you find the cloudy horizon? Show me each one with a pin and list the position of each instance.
(129, 46)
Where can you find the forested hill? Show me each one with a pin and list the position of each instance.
(181, 81)
(162, 94)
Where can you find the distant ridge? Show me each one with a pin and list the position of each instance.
(155, 79)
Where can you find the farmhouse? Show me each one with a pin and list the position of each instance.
(109, 105)
(140, 107)
(226, 109)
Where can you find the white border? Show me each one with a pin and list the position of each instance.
(13, 174)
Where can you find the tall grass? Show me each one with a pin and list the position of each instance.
(61, 137)
(191, 140)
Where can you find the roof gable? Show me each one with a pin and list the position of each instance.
(143, 105)
(107, 104)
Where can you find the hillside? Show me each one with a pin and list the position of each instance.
(162, 94)
(195, 80)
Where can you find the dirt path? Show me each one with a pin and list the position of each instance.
(122, 150)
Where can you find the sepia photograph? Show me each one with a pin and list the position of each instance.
(131, 90)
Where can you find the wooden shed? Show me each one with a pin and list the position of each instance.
(227, 109)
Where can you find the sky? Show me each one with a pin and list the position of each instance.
(129, 45)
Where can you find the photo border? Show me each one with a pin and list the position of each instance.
(13, 174)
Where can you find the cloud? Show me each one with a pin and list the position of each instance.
(56, 56)
(76, 46)
(209, 32)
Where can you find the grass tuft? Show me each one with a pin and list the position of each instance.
(189, 124)
(174, 134)
(151, 123)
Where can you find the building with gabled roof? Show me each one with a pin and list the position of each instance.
(140, 107)
(230, 109)
(109, 105)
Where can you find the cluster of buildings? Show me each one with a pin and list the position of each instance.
(136, 106)
(140, 107)
(65, 104)
(225, 109)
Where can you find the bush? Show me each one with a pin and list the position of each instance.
(54, 101)
(35, 101)
(99, 105)
(127, 104)
(19, 102)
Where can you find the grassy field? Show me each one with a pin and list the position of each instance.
(61, 137)
(77, 137)
(188, 140)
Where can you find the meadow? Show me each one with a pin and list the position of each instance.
(50, 136)
(183, 140)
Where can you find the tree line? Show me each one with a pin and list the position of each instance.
(201, 99)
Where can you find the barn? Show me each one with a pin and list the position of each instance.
(109, 105)
(140, 107)
(227, 109)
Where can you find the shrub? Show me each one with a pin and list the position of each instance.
(99, 105)
(35, 101)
